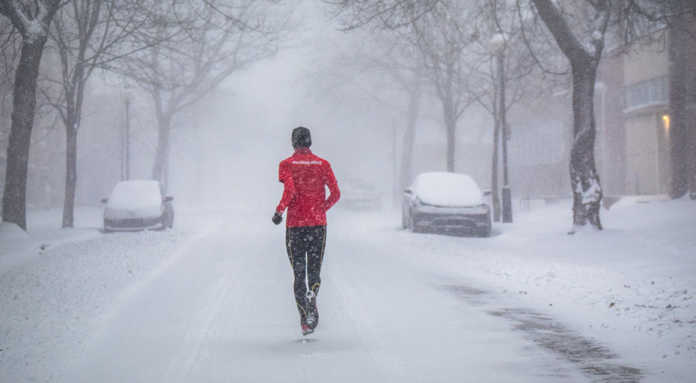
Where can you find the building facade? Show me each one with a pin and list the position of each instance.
(634, 124)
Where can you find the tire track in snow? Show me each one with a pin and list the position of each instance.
(132, 291)
(198, 331)
(359, 315)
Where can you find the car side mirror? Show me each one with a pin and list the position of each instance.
(168, 198)
(104, 200)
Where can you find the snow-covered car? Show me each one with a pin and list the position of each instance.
(138, 205)
(359, 195)
(449, 202)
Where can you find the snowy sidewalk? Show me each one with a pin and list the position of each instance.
(44, 232)
(53, 299)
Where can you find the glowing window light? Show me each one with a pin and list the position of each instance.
(665, 121)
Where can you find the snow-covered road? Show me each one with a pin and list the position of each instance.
(211, 301)
(221, 310)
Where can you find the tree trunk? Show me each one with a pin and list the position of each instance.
(495, 193)
(587, 192)
(409, 135)
(24, 103)
(679, 119)
(584, 180)
(71, 130)
(451, 135)
(162, 154)
(74, 97)
(451, 143)
(692, 158)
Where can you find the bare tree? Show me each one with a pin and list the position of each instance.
(390, 14)
(44, 118)
(506, 78)
(210, 41)
(414, 87)
(394, 58)
(579, 30)
(444, 38)
(86, 34)
(31, 19)
(438, 35)
(10, 45)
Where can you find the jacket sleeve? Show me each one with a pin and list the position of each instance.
(330, 180)
(285, 176)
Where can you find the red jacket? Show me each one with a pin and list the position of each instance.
(304, 177)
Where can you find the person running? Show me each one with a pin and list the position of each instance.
(305, 177)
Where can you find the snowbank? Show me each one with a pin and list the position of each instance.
(61, 290)
(11, 232)
(44, 232)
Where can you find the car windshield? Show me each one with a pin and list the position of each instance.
(135, 194)
(447, 189)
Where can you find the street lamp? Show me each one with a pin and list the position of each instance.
(602, 132)
(497, 47)
(125, 143)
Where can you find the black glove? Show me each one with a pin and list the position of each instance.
(277, 218)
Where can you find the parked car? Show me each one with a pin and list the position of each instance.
(138, 205)
(448, 202)
(357, 194)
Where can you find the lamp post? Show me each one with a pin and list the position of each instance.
(602, 133)
(395, 173)
(497, 46)
(125, 143)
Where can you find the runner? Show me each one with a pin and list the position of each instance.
(305, 177)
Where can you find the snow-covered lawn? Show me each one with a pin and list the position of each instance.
(56, 285)
(630, 287)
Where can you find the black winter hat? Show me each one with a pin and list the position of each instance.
(301, 138)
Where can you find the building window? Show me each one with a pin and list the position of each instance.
(645, 93)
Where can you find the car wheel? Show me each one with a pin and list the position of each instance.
(484, 231)
(165, 221)
(413, 224)
(170, 216)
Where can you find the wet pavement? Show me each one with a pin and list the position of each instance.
(595, 360)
